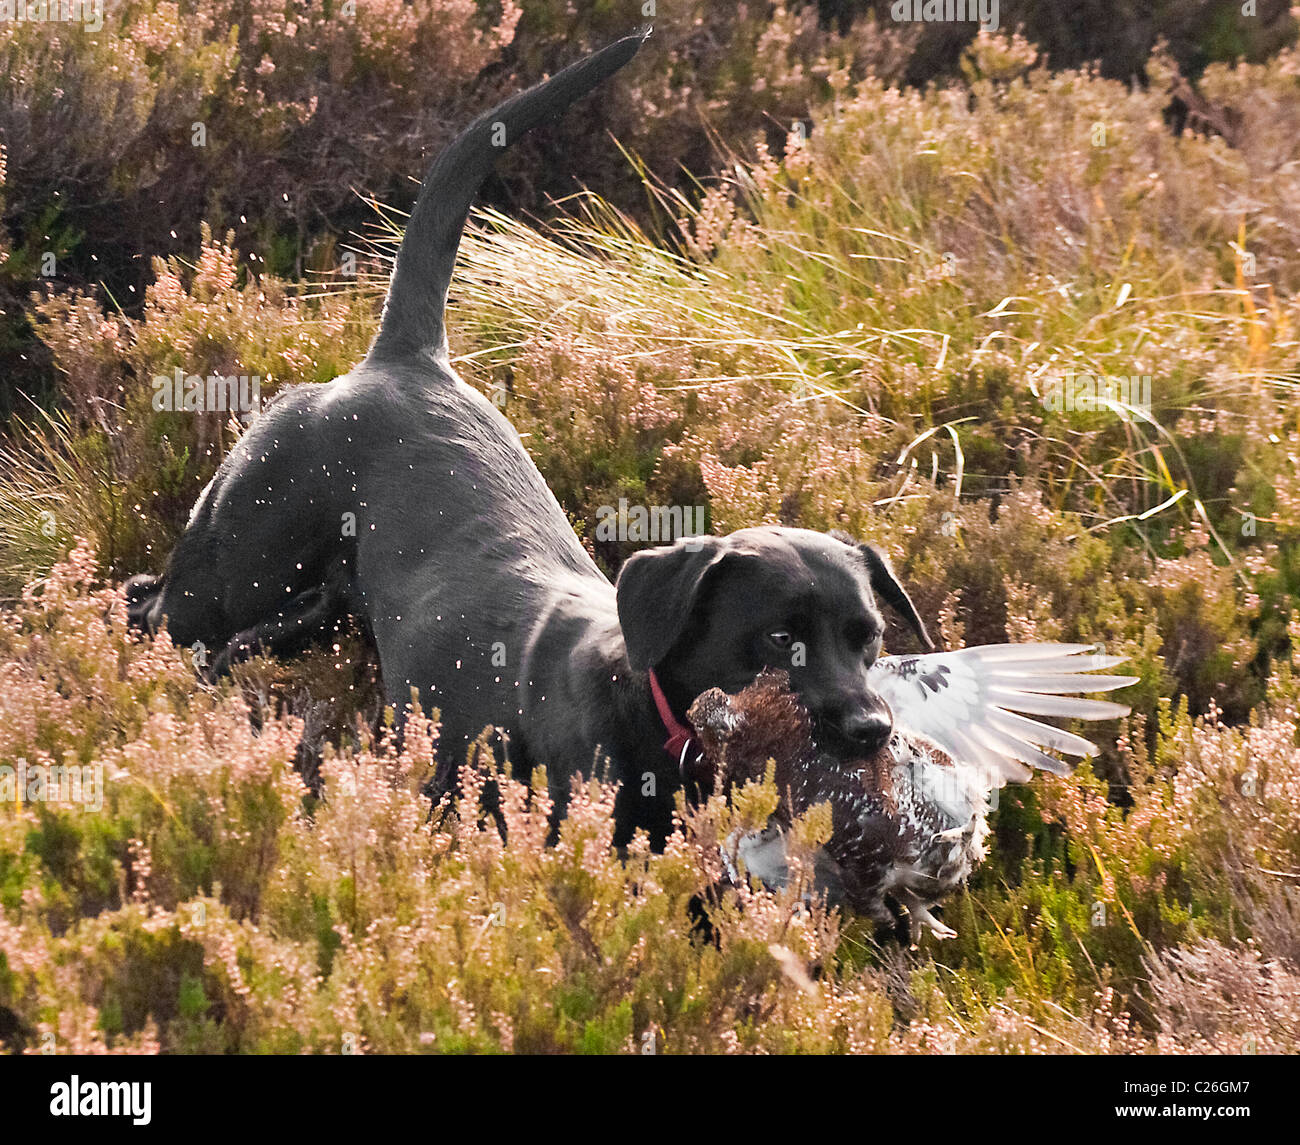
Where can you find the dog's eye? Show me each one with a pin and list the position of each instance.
(781, 638)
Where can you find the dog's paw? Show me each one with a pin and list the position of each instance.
(141, 592)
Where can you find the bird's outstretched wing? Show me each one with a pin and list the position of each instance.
(966, 702)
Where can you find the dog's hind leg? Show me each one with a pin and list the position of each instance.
(288, 632)
(304, 620)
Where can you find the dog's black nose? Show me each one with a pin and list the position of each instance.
(866, 729)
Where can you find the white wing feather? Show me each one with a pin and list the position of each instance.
(966, 702)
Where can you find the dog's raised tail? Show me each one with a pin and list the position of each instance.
(413, 318)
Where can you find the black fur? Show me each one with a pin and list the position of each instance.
(399, 494)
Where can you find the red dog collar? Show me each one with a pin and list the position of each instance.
(680, 738)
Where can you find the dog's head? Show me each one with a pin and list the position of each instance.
(713, 612)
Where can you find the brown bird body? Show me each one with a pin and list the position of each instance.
(892, 845)
(909, 821)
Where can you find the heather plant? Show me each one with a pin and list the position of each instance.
(110, 465)
(277, 119)
(208, 906)
(284, 93)
(211, 903)
(861, 331)
(191, 96)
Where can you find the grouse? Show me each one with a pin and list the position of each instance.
(909, 823)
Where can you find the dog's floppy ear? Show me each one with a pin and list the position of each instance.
(885, 585)
(656, 592)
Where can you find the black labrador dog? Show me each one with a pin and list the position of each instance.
(400, 495)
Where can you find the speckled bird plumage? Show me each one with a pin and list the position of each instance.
(909, 823)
